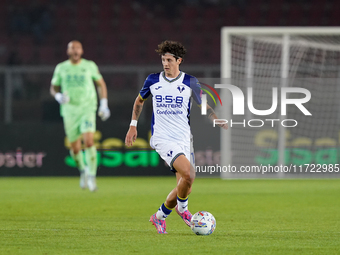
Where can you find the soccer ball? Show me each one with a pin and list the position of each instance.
(203, 223)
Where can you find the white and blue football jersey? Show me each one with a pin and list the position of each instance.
(171, 106)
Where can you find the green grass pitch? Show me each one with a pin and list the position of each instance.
(54, 216)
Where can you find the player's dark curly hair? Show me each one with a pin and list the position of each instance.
(175, 48)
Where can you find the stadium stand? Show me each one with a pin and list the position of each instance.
(130, 30)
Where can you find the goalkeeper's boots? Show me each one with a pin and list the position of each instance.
(91, 183)
(83, 180)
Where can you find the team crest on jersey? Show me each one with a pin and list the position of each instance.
(180, 88)
(169, 153)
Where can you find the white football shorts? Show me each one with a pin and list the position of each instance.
(170, 151)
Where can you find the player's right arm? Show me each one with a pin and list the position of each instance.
(131, 135)
(62, 98)
(55, 90)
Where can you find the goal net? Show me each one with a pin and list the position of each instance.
(278, 145)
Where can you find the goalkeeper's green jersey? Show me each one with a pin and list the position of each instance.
(76, 80)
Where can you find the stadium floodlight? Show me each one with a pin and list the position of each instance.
(262, 58)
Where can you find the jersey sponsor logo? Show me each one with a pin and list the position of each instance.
(169, 105)
(169, 112)
(159, 87)
(169, 101)
(75, 80)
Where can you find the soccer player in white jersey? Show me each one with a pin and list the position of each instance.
(172, 90)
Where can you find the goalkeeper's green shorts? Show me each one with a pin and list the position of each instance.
(78, 124)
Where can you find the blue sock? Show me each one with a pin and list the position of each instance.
(163, 212)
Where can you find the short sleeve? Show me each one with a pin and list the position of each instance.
(96, 75)
(150, 80)
(56, 78)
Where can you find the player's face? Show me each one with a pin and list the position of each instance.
(170, 65)
(75, 51)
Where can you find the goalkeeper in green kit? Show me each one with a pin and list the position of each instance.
(72, 86)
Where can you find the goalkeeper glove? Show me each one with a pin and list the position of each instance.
(62, 98)
(104, 112)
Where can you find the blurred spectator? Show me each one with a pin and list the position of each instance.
(20, 21)
(35, 20)
(41, 22)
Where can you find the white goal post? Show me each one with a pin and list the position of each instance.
(261, 53)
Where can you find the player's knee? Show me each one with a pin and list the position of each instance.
(88, 143)
(75, 150)
(188, 177)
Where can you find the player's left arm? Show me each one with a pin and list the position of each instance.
(102, 89)
(103, 112)
(212, 116)
(55, 89)
(197, 95)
